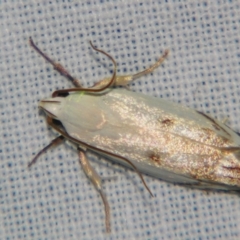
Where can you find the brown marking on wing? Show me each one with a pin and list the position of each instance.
(233, 173)
(237, 169)
(167, 122)
(208, 134)
(207, 131)
(155, 158)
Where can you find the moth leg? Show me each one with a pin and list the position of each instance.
(96, 181)
(126, 79)
(56, 66)
(55, 142)
(225, 120)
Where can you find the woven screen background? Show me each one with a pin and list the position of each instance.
(54, 199)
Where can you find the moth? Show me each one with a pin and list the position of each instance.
(151, 135)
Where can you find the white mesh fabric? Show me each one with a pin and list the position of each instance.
(54, 199)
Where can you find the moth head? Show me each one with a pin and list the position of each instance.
(51, 106)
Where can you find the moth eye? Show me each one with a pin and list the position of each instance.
(57, 122)
(63, 94)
